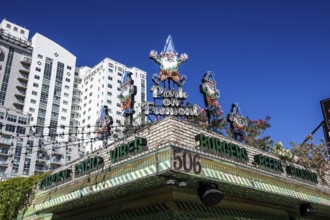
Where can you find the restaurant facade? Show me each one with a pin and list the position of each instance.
(173, 169)
(176, 169)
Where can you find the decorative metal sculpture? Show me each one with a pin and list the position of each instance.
(238, 122)
(127, 93)
(169, 61)
(209, 90)
(104, 123)
(211, 95)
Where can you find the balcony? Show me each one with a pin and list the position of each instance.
(5, 140)
(20, 93)
(19, 102)
(57, 152)
(41, 169)
(55, 162)
(75, 103)
(26, 60)
(24, 69)
(74, 120)
(41, 159)
(22, 85)
(75, 110)
(4, 153)
(3, 163)
(23, 77)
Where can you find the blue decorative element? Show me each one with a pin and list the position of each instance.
(104, 123)
(238, 122)
(169, 45)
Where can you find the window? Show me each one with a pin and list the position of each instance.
(109, 86)
(22, 120)
(67, 87)
(37, 77)
(67, 79)
(22, 32)
(10, 128)
(118, 89)
(40, 56)
(109, 78)
(118, 113)
(63, 118)
(12, 118)
(118, 121)
(66, 94)
(8, 26)
(2, 115)
(120, 74)
(64, 110)
(68, 67)
(110, 70)
(15, 29)
(20, 130)
(118, 81)
(34, 93)
(65, 102)
(38, 69)
(109, 101)
(110, 65)
(36, 85)
(118, 104)
(90, 94)
(109, 93)
(31, 110)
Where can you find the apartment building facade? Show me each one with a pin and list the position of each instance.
(59, 102)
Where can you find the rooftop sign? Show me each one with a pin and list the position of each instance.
(169, 97)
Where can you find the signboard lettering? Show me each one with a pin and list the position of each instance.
(222, 148)
(268, 162)
(302, 173)
(123, 150)
(89, 164)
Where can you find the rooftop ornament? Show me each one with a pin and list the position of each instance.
(104, 123)
(211, 95)
(238, 122)
(172, 100)
(169, 61)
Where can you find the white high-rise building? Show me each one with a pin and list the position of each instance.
(15, 61)
(48, 107)
(36, 88)
(100, 86)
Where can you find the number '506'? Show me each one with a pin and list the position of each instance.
(187, 161)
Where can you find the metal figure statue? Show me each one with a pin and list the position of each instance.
(169, 61)
(238, 122)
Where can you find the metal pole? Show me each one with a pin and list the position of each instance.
(313, 132)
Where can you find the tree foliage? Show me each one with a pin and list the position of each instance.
(16, 194)
(312, 156)
(254, 131)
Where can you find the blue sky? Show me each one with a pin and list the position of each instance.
(270, 56)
